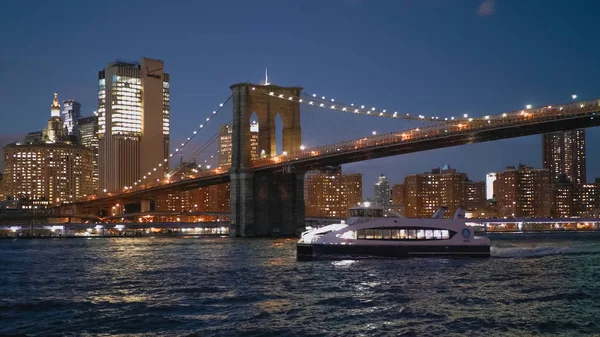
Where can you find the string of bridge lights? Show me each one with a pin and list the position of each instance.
(194, 133)
(331, 104)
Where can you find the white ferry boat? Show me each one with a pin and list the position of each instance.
(371, 232)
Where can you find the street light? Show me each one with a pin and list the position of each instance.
(374, 133)
(302, 147)
(574, 96)
(528, 106)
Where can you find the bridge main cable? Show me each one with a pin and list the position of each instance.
(332, 104)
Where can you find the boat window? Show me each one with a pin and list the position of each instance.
(387, 234)
(428, 234)
(445, 234)
(412, 234)
(402, 234)
(360, 234)
(377, 233)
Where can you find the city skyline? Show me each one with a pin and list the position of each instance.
(421, 81)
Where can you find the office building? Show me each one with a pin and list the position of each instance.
(523, 192)
(563, 153)
(133, 123)
(70, 115)
(225, 134)
(398, 194)
(87, 127)
(489, 185)
(58, 172)
(54, 132)
(426, 193)
(50, 168)
(331, 194)
(381, 191)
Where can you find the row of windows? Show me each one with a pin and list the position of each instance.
(404, 234)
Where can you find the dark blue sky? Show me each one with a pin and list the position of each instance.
(443, 57)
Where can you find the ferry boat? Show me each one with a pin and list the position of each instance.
(372, 232)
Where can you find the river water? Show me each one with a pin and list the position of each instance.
(534, 285)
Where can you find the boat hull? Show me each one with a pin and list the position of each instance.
(320, 251)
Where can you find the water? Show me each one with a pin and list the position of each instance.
(534, 285)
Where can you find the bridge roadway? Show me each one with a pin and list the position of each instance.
(447, 134)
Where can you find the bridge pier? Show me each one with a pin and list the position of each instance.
(264, 203)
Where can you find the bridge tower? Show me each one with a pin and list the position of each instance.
(265, 203)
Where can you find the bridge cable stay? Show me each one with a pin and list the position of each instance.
(204, 147)
(146, 178)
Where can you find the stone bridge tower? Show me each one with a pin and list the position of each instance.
(265, 203)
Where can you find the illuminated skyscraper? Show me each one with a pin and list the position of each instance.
(70, 115)
(88, 137)
(133, 123)
(55, 129)
(564, 154)
(381, 191)
(225, 133)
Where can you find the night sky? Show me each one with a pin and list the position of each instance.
(441, 57)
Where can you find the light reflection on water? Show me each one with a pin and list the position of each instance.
(220, 286)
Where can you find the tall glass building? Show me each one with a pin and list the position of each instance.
(70, 115)
(133, 123)
(88, 137)
(381, 191)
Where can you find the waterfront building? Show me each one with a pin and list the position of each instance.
(87, 127)
(331, 194)
(381, 191)
(425, 193)
(562, 199)
(70, 115)
(225, 136)
(133, 123)
(563, 153)
(586, 200)
(51, 168)
(56, 172)
(523, 192)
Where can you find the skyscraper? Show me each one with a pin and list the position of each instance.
(54, 131)
(381, 191)
(70, 115)
(87, 128)
(225, 133)
(564, 154)
(133, 123)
